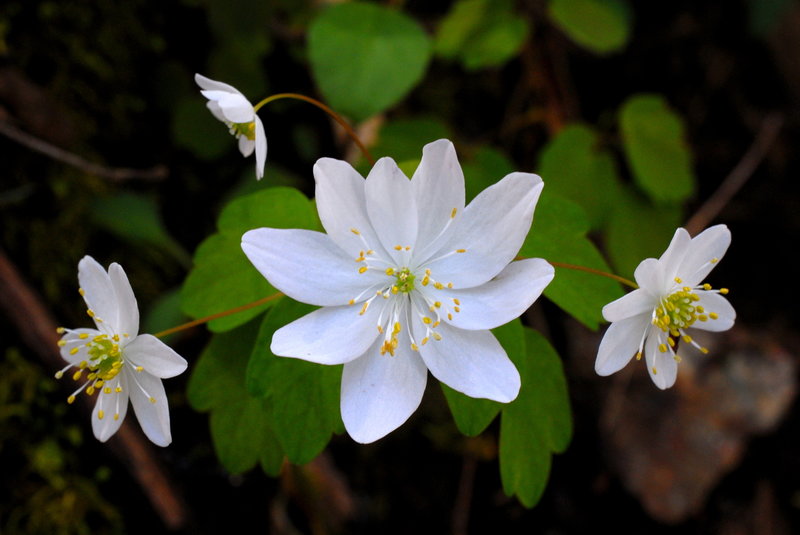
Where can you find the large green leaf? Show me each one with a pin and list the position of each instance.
(223, 278)
(481, 33)
(656, 149)
(473, 415)
(241, 424)
(602, 26)
(558, 234)
(366, 57)
(535, 425)
(304, 396)
(573, 166)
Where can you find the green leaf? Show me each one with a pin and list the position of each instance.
(638, 230)
(136, 218)
(602, 26)
(223, 278)
(473, 415)
(535, 425)
(558, 234)
(572, 166)
(241, 424)
(366, 57)
(481, 33)
(304, 396)
(653, 136)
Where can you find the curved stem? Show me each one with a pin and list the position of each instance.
(335, 116)
(222, 314)
(617, 278)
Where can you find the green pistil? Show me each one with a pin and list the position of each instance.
(405, 281)
(678, 311)
(104, 357)
(247, 130)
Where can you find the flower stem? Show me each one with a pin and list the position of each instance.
(222, 314)
(617, 278)
(335, 116)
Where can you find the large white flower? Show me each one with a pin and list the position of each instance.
(232, 108)
(653, 320)
(408, 280)
(115, 361)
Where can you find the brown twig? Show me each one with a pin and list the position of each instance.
(116, 174)
(463, 502)
(767, 133)
(38, 330)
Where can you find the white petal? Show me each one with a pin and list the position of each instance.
(651, 278)
(472, 362)
(246, 146)
(714, 302)
(380, 392)
(342, 206)
(213, 85)
(156, 357)
(635, 303)
(307, 266)
(707, 246)
(491, 229)
(216, 111)
(261, 148)
(438, 185)
(672, 257)
(662, 367)
(115, 403)
(392, 208)
(501, 299)
(330, 335)
(73, 340)
(620, 344)
(152, 416)
(127, 319)
(99, 293)
(234, 106)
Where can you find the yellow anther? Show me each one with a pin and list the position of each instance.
(407, 247)
(92, 376)
(677, 358)
(83, 336)
(671, 342)
(706, 286)
(98, 383)
(699, 309)
(687, 338)
(461, 250)
(395, 289)
(426, 320)
(449, 316)
(118, 389)
(425, 340)
(390, 271)
(100, 415)
(139, 369)
(71, 399)
(456, 301)
(714, 260)
(702, 317)
(425, 280)
(116, 416)
(380, 329)
(428, 271)
(639, 355)
(435, 324)
(437, 304)
(678, 280)
(76, 375)
(449, 284)
(74, 350)
(116, 337)
(397, 327)
(415, 347)
(713, 315)
(83, 365)
(61, 343)
(438, 285)
(655, 371)
(662, 348)
(437, 336)
(60, 330)
(457, 309)
(723, 291)
(90, 312)
(107, 390)
(351, 301)
(704, 350)
(355, 231)
(90, 391)
(453, 213)
(362, 269)
(81, 291)
(398, 247)
(152, 399)
(363, 308)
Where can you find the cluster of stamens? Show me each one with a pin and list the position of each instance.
(411, 288)
(677, 312)
(247, 130)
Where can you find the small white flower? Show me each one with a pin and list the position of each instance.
(232, 108)
(408, 280)
(114, 360)
(654, 319)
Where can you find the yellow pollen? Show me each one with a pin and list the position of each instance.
(59, 374)
(139, 368)
(461, 250)
(655, 371)
(116, 416)
(426, 320)
(61, 343)
(435, 324)
(713, 315)
(457, 309)
(397, 327)
(453, 213)
(699, 309)
(437, 336)
(74, 350)
(90, 312)
(395, 289)
(407, 247)
(355, 231)
(92, 376)
(714, 260)
(425, 280)
(380, 329)
(76, 375)
(362, 269)
(107, 390)
(152, 399)
(415, 347)
(639, 355)
(706, 286)
(390, 271)
(687, 338)
(398, 247)
(723, 291)
(704, 350)
(98, 383)
(438, 285)
(90, 391)
(677, 358)
(449, 316)
(425, 340)
(100, 415)
(81, 291)
(351, 301)
(662, 348)
(71, 400)
(678, 280)
(83, 336)
(364, 308)
(437, 304)
(83, 365)
(449, 284)
(456, 301)
(702, 317)
(671, 342)
(60, 330)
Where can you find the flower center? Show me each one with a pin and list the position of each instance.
(105, 358)
(678, 310)
(247, 130)
(405, 281)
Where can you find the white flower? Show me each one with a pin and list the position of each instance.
(408, 280)
(654, 319)
(114, 360)
(232, 108)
